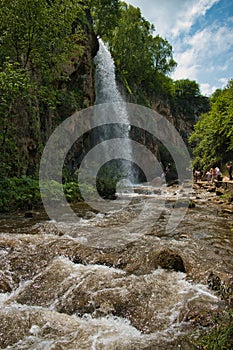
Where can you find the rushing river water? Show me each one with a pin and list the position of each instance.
(117, 280)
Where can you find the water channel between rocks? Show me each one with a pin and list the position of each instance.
(115, 280)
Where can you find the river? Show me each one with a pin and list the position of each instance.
(116, 280)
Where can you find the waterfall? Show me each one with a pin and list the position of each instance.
(106, 87)
(108, 92)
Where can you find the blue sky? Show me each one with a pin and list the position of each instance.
(201, 34)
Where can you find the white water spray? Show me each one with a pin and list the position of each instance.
(108, 92)
(106, 86)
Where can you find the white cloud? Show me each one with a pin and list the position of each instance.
(192, 10)
(207, 89)
(163, 14)
(212, 40)
(224, 81)
(187, 67)
(204, 55)
(171, 17)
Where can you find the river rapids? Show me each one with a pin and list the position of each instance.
(116, 280)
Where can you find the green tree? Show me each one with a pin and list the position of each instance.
(39, 39)
(105, 15)
(188, 99)
(129, 45)
(14, 85)
(140, 57)
(37, 34)
(212, 139)
(162, 55)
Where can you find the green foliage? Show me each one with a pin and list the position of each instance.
(41, 37)
(72, 191)
(212, 139)
(128, 41)
(220, 337)
(188, 98)
(24, 192)
(14, 85)
(161, 52)
(108, 177)
(37, 33)
(105, 15)
(132, 36)
(17, 193)
(39, 40)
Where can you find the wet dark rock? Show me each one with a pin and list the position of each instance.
(5, 284)
(184, 203)
(219, 192)
(229, 291)
(173, 183)
(203, 318)
(89, 215)
(30, 214)
(192, 204)
(170, 261)
(227, 211)
(211, 189)
(183, 236)
(214, 282)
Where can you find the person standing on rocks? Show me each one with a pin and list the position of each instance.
(213, 175)
(218, 173)
(208, 175)
(229, 169)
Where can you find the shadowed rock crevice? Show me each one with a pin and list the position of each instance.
(170, 261)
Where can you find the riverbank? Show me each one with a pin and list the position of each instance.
(24, 193)
(223, 191)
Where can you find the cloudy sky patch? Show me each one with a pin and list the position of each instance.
(201, 34)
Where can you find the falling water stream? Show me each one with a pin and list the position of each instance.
(107, 92)
(115, 280)
(106, 86)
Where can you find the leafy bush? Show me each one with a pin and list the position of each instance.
(24, 192)
(20, 193)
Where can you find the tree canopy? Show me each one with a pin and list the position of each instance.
(105, 15)
(212, 139)
(38, 39)
(37, 33)
(188, 99)
(140, 57)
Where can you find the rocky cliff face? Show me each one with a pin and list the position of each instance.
(182, 122)
(33, 127)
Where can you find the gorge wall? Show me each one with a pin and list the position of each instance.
(33, 124)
